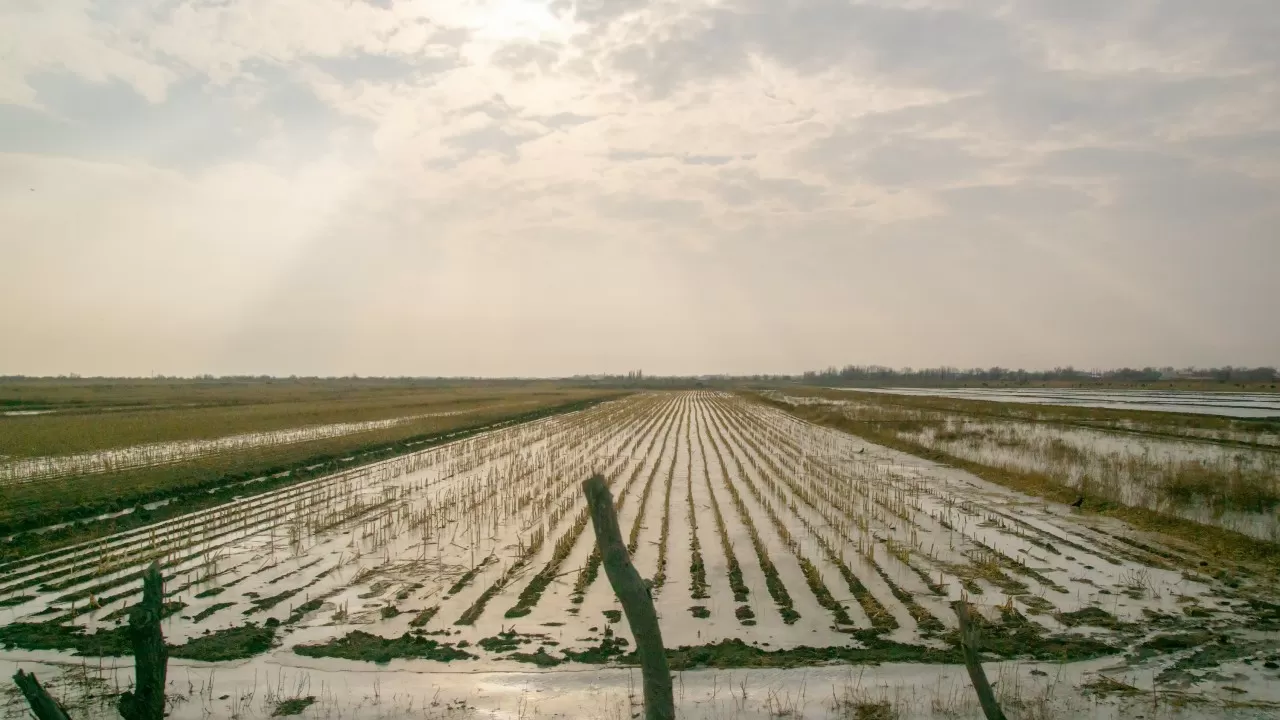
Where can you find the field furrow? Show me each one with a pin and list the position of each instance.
(767, 540)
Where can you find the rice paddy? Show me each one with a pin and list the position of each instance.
(1219, 472)
(771, 543)
(101, 450)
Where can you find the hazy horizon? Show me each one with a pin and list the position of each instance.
(1245, 374)
(544, 188)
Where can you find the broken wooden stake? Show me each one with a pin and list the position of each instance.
(43, 706)
(633, 592)
(973, 663)
(150, 656)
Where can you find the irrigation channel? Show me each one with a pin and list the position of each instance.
(770, 542)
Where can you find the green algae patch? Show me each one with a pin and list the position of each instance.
(470, 575)
(359, 645)
(509, 640)
(610, 648)
(1089, 616)
(1168, 643)
(266, 603)
(1204, 662)
(540, 658)
(52, 635)
(302, 610)
(424, 617)
(209, 611)
(234, 643)
(734, 653)
(229, 644)
(169, 608)
(1017, 637)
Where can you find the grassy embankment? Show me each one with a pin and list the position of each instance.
(900, 422)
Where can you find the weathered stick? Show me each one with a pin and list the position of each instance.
(973, 663)
(150, 656)
(42, 704)
(636, 602)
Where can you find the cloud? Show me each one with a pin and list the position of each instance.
(491, 138)
(385, 68)
(598, 12)
(520, 55)
(895, 161)
(196, 125)
(634, 155)
(1015, 201)
(523, 186)
(563, 120)
(707, 159)
(745, 187)
(920, 45)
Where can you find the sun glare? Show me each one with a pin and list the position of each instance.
(517, 20)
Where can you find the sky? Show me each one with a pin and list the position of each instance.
(552, 187)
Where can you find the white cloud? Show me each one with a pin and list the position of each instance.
(61, 35)
(556, 186)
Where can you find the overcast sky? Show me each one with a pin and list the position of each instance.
(547, 187)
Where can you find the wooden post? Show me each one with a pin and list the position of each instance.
(43, 706)
(973, 663)
(150, 656)
(636, 601)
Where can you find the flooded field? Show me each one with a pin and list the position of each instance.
(165, 453)
(441, 582)
(1211, 484)
(91, 449)
(1221, 478)
(1229, 404)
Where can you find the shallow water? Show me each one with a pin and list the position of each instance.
(1132, 468)
(161, 453)
(405, 690)
(1129, 467)
(1228, 404)
(401, 532)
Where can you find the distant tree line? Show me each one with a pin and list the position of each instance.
(637, 379)
(847, 375)
(242, 379)
(881, 375)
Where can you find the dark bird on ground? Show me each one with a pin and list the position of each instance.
(1079, 501)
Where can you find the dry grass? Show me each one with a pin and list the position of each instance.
(895, 429)
(93, 415)
(35, 504)
(1073, 450)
